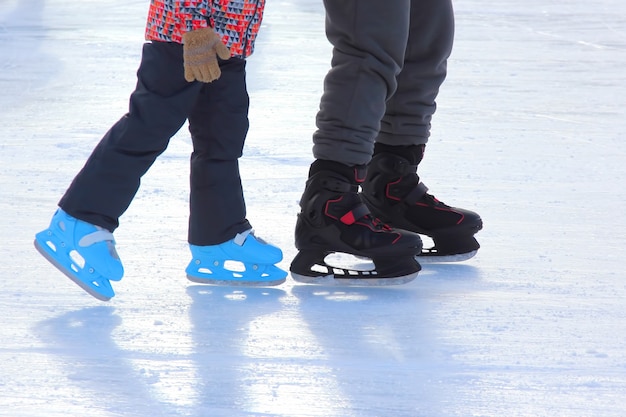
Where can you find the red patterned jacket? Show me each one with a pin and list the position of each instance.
(236, 21)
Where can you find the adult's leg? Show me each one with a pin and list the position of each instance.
(369, 39)
(409, 111)
(392, 189)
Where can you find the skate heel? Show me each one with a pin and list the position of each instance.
(309, 266)
(83, 252)
(245, 260)
(94, 284)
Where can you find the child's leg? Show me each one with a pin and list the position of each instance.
(218, 124)
(224, 251)
(159, 106)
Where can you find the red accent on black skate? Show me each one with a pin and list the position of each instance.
(360, 172)
(348, 218)
(359, 215)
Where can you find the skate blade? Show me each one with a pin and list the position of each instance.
(433, 258)
(348, 281)
(338, 268)
(104, 291)
(235, 282)
(240, 275)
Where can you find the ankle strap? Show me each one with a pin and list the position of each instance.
(355, 214)
(394, 164)
(416, 194)
(332, 182)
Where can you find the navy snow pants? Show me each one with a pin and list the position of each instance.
(161, 103)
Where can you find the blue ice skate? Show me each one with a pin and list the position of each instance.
(82, 251)
(244, 260)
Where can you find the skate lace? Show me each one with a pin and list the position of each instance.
(377, 223)
(420, 194)
(433, 201)
(362, 214)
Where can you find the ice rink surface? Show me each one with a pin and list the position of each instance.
(530, 133)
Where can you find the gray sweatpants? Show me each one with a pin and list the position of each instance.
(389, 60)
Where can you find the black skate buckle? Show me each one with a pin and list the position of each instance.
(416, 194)
(403, 167)
(355, 214)
(336, 185)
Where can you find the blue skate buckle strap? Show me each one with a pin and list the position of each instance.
(240, 238)
(101, 235)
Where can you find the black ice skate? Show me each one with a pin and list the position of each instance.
(333, 219)
(393, 193)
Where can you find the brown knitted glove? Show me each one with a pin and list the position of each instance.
(200, 51)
